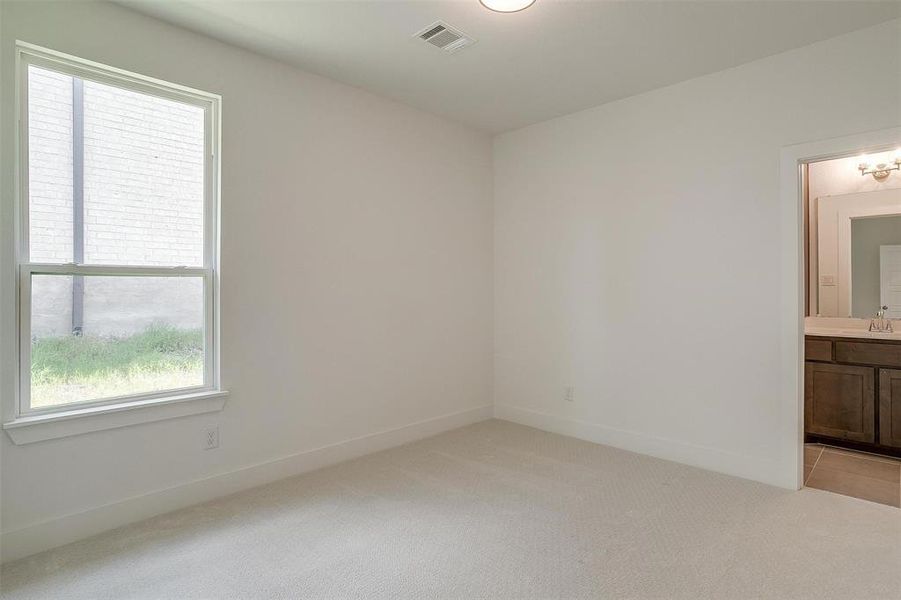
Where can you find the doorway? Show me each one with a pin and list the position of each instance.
(848, 356)
(789, 469)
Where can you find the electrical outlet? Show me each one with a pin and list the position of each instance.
(569, 393)
(211, 438)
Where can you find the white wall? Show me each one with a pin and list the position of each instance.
(638, 253)
(356, 280)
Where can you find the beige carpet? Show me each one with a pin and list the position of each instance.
(494, 510)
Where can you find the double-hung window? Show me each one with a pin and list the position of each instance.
(117, 239)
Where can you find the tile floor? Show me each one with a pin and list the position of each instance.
(866, 476)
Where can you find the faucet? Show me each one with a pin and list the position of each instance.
(879, 323)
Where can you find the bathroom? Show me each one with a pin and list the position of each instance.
(852, 280)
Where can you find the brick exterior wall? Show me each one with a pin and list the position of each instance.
(143, 160)
(143, 204)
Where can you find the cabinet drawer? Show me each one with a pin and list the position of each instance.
(817, 349)
(840, 401)
(868, 353)
(890, 407)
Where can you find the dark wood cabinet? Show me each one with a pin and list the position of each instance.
(840, 401)
(817, 349)
(890, 407)
(852, 393)
(868, 353)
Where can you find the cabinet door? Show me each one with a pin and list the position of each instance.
(840, 401)
(890, 407)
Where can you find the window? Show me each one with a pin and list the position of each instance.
(117, 267)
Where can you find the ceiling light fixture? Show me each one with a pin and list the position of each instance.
(507, 6)
(880, 170)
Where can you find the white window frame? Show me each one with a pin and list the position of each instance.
(28, 55)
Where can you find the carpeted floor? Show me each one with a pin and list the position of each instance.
(494, 510)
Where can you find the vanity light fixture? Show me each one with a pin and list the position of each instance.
(881, 170)
(507, 6)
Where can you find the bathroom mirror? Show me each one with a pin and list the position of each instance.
(876, 265)
(857, 255)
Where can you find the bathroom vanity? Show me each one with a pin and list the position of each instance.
(853, 390)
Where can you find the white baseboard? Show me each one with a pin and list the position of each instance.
(69, 528)
(712, 459)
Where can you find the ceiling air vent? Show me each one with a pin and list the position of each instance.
(443, 36)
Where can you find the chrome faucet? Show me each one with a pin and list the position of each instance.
(879, 323)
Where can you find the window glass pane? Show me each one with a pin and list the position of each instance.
(143, 178)
(50, 165)
(131, 335)
(115, 176)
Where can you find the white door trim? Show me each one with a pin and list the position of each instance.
(792, 287)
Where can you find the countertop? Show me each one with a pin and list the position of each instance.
(848, 328)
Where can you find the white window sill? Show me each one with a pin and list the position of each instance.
(37, 428)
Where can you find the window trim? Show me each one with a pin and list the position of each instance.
(22, 413)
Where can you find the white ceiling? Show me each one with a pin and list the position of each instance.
(557, 57)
